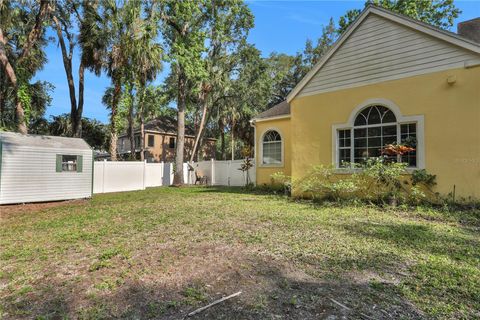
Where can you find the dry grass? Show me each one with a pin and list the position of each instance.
(163, 252)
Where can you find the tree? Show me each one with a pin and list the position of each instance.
(182, 30)
(247, 91)
(106, 42)
(94, 132)
(285, 71)
(312, 54)
(21, 34)
(227, 30)
(440, 13)
(146, 55)
(66, 19)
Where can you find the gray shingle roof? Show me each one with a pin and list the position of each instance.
(281, 109)
(40, 141)
(166, 124)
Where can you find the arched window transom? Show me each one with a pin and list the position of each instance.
(373, 128)
(272, 148)
(375, 115)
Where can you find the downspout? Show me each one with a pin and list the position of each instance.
(93, 168)
(252, 124)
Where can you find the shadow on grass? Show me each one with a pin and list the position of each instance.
(237, 190)
(269, 290)
(423, 238)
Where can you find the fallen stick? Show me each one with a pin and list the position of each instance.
(341, 305)
(347, 308)
(213, 303)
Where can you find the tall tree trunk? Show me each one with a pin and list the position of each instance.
(142, 136)
(12, 77)
(20, 115)
(202, 135)
(233, 139)
(3, 97)
(221, 126)
(67, 65)
(198, 135)
(179, 152)
(77, 127)
(113, 122)
(142, 123)
(76, 110)
(131, 125)
(37, 29)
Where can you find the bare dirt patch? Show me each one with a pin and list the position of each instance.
(13, 209)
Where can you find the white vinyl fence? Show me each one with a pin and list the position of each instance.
(116, 176)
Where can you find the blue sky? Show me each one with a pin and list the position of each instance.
(280, 26)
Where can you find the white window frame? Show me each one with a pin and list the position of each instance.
(349, 125)
(282, 144)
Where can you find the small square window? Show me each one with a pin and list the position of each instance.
(151, 140)
(69, 163)
(171, 143)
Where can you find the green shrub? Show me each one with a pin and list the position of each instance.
(323, 183)
(377, 180)
(279, 179)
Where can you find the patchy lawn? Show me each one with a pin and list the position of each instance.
(164, 252)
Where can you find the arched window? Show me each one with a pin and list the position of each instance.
(373, 128)
(271, 148)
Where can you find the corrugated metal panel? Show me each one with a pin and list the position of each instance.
(29, 175)
(380, 50)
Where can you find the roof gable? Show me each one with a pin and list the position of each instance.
(381, 45)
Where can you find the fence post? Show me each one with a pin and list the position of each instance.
(144, 174)
(212, 169)
(229, 172)
(162, 167)
(103, 174)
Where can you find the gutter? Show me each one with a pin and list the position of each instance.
(286, 116)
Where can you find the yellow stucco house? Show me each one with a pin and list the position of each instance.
(388, 79)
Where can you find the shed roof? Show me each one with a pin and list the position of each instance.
(41, 141)
(281, 109)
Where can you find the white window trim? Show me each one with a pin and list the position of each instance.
(418, 119)
(272, 165)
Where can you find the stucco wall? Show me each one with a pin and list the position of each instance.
(451, 120)
(263, 172)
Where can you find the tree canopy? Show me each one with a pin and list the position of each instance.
(214, 79)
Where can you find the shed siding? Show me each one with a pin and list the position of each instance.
(29, 175)
(380, 50)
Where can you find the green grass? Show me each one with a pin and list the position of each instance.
(167, 250)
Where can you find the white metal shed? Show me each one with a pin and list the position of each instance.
(36, 168)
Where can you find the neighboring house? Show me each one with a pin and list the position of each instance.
(389, 78)
(36, 168)
(160, 142)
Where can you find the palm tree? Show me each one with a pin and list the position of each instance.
(146, 62)
(105, 44)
